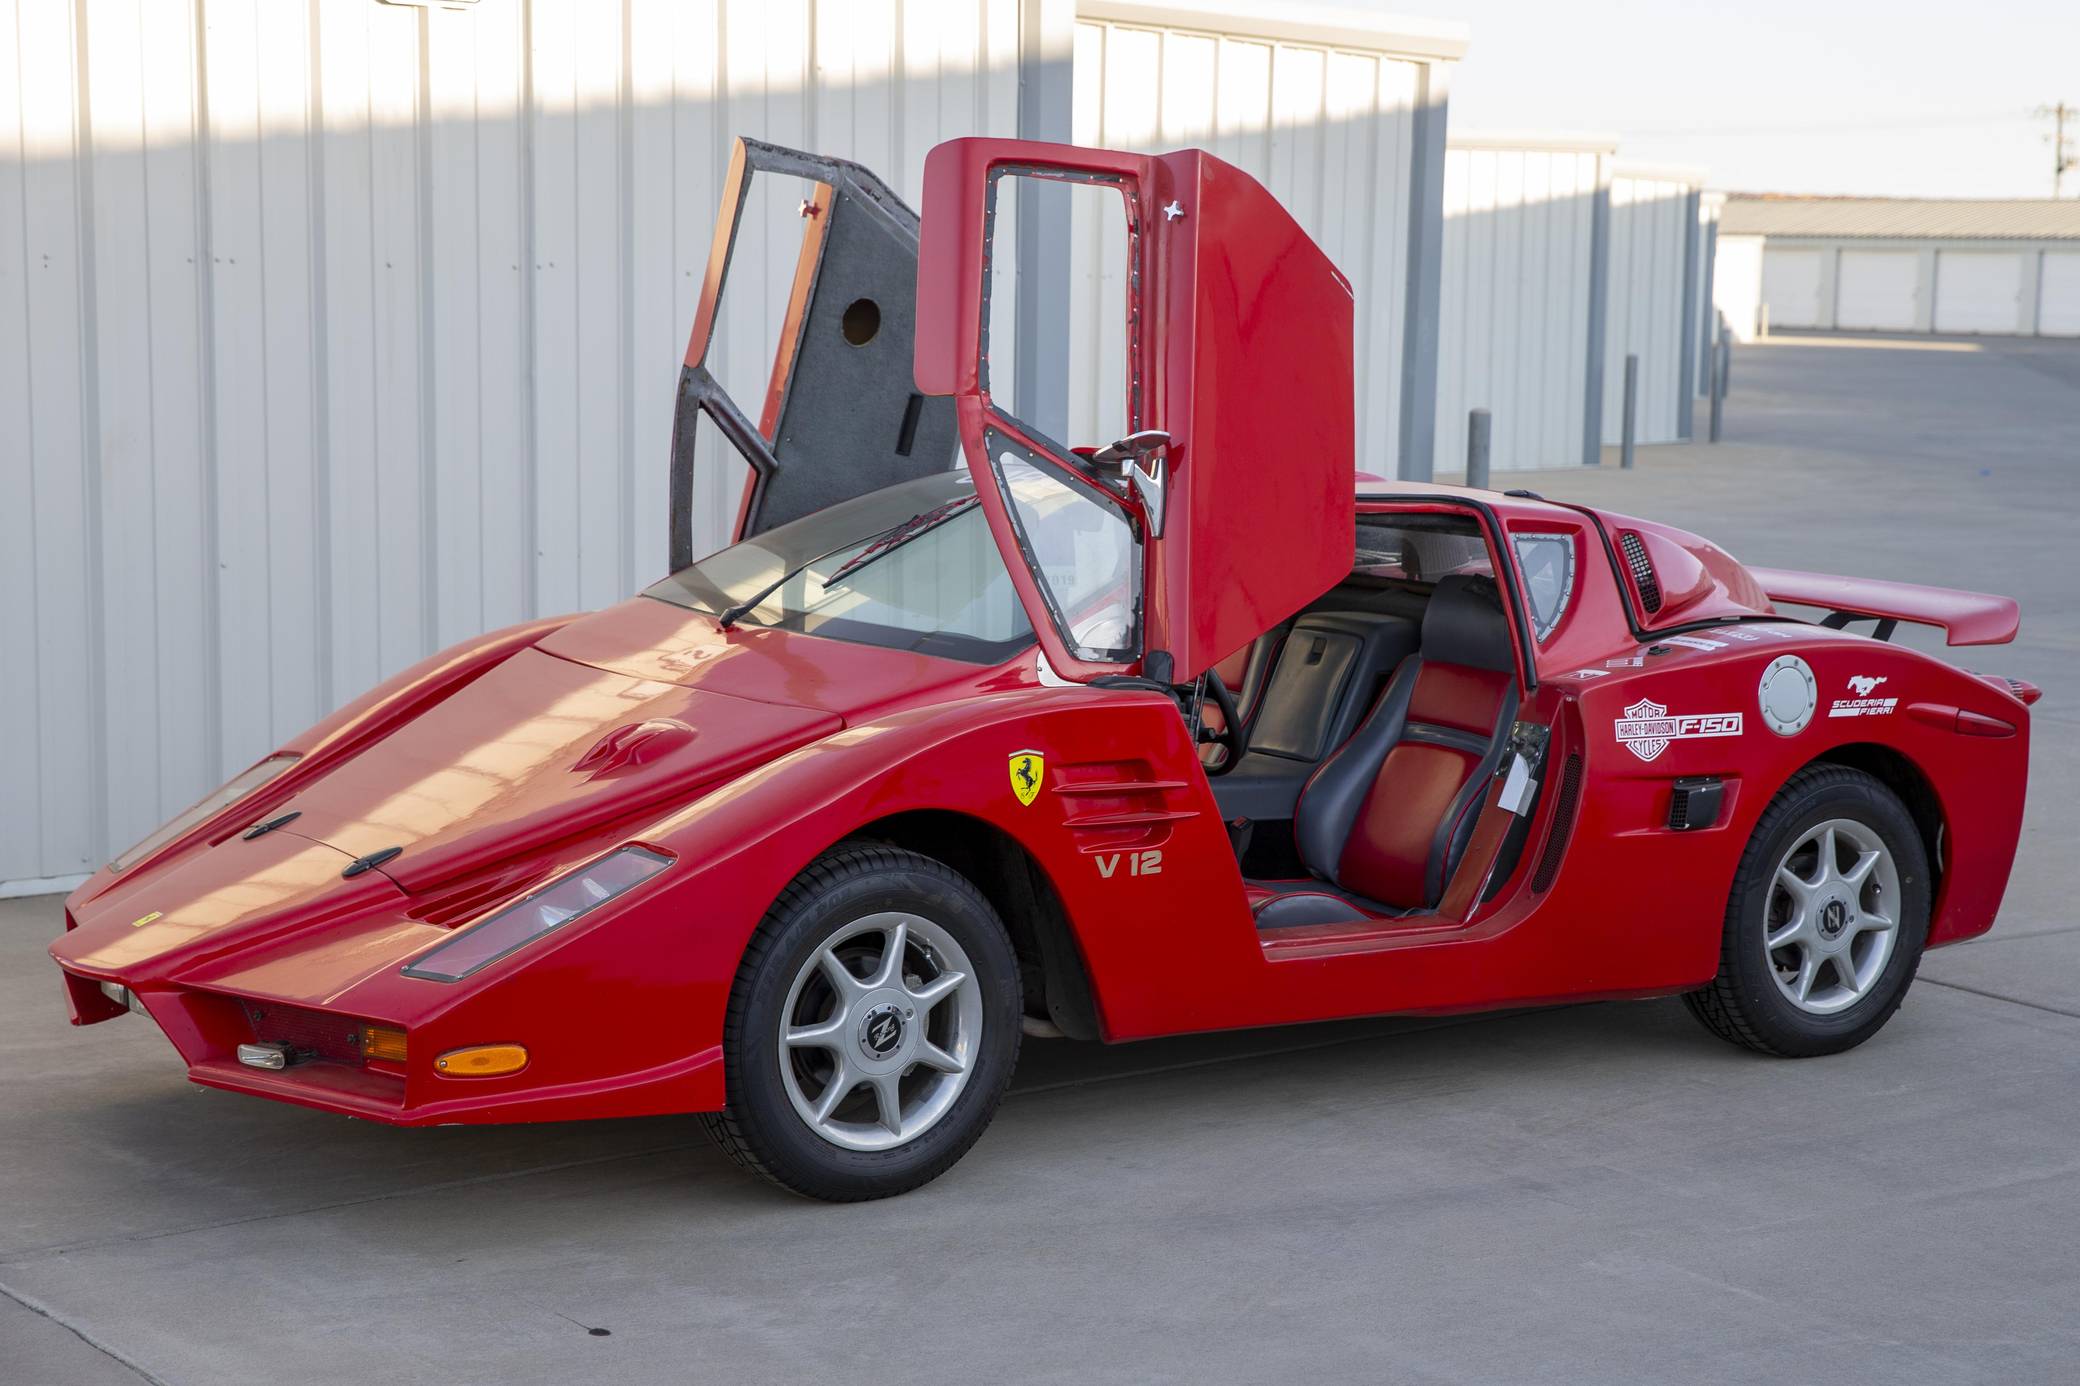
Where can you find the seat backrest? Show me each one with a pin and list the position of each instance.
(1327, 668)
(1389, 813)
(1245, 673)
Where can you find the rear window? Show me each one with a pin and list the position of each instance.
(1420, 548)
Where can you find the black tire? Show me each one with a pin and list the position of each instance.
(1743, 1004)
(760, 1128)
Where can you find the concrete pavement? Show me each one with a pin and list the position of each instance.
(1598, 1193)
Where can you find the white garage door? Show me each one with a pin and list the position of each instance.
(1876, 290)
(1978, 291)
(2058, 294)
(1791, 287)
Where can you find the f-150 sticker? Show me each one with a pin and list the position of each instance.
(1863, 704)
(1647, 727)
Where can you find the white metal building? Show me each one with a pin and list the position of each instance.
(1521, 225)
(1657, 234)
(334, 332)
(1560, 260)
(1901, 265)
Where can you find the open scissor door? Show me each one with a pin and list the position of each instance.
(1235, 343)
(828, 411)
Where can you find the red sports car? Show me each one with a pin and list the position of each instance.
(971, 734)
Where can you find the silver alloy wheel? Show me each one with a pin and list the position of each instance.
(1831, 916)
(880, 1031)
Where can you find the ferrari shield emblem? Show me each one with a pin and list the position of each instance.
(1027, 767)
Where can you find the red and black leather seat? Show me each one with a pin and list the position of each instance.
(1384, 820)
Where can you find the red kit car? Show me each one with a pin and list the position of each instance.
(971, 735)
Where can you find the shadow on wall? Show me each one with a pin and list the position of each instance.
(1514, 331)
(333, 333)
(1520, 316)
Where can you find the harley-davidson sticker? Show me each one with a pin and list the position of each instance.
(1647, 727)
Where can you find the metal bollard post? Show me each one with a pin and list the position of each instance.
(1720, 357)
(1477, 433)
(1631, 410)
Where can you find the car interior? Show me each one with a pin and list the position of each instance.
(1370, 722)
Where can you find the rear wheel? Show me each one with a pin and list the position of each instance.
(1825, 925)
(872, 1027)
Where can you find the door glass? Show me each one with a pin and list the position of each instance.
(1061, 254)
(1083, 553)
(1548, 564)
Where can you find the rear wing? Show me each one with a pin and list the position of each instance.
(1966, 618)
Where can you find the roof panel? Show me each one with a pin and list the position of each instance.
(1901, 218)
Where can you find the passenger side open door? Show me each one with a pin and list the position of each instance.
(1234, 474)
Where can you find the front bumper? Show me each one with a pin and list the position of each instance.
(206, 1027)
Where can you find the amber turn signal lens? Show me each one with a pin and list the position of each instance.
(482, 1061)
(382, 1042)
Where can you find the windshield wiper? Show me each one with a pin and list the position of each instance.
(921, 523)
(875, 545)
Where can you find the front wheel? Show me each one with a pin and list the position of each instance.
(872, 1027)
(1825, 925)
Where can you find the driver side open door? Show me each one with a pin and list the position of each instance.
(807, 307)
(1238, 347)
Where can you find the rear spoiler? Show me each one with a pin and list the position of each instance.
(1966, 618)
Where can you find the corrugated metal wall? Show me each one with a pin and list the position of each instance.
(1312, 121)
(1513, 336)
(1651, 215)
(332, 332)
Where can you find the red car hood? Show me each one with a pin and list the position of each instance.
(614, 717)
(537, 749)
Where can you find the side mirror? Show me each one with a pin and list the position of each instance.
(1136, 460)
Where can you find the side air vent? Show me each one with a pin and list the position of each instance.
(1563, 825)
(1643, 578)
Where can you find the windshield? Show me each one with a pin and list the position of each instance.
(912, 566)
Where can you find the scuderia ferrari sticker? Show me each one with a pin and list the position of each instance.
(1027, 768)
(1863, 704)
(1647, 727)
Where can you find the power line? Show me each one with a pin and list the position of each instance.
(2061, 148)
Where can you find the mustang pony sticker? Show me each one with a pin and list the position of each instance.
(1863, 704)
(1647, 728)
(1027, 768)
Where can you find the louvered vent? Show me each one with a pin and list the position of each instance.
(1642, 571)
(1563, 825)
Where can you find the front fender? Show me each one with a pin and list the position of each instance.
(1121, 782)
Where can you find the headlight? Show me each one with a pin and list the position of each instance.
(543, 912)
(216, 803)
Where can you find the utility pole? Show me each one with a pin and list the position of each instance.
(2061, 153)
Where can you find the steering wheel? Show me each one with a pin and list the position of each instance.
(1228, 736)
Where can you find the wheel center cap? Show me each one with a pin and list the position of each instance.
(881, 1031)
(1834, 917)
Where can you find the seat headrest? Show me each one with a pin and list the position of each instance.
(1465, 624)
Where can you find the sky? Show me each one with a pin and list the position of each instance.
(1910, 98)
